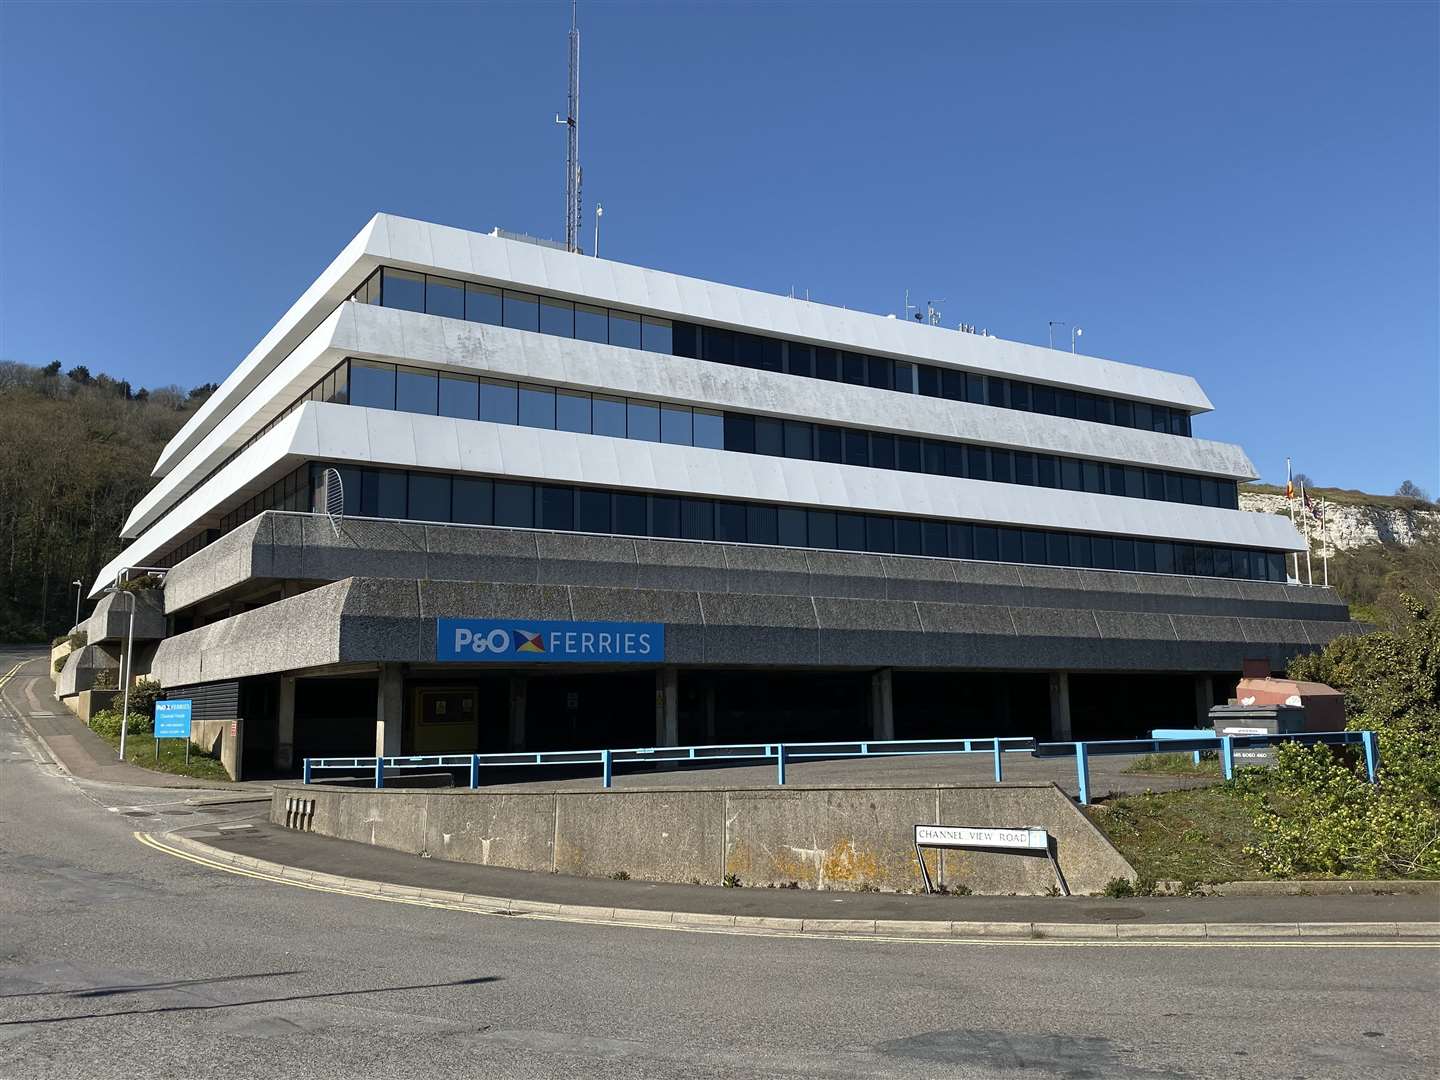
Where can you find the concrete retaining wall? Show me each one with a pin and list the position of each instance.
(820, 838)
(216, 738)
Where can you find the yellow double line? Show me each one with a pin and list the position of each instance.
(157, 844)
(11, 673)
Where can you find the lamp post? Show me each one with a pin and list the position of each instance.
(127, 659)
(1075, 332)
(599, 213)
(79, 591)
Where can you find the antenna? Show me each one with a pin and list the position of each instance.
(573, 220)
(334, 499)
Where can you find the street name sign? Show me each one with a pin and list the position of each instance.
(1020, 841)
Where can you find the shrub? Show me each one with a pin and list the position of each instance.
(78, 639)
(1118, 887)
(1315, 811)
(106, 679)
(143, 695)
(59, 664)
(106, 723)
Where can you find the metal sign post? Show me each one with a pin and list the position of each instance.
(1023, 841)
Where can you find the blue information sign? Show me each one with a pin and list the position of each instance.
(172, 720)
(514, 641)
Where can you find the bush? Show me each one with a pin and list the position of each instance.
(1118, 887)
(78, 639)
(59, 664)
(106, 679)
(1315, 811)
(143, 695)
(106, 723)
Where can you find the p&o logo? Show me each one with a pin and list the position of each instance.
(495, 641)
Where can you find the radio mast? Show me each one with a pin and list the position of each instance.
(573, 219)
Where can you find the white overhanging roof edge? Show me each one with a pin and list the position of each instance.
(420, 245)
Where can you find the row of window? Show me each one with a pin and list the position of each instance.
(290, 492)
(388, 386)
(456, 299)
(477, 500)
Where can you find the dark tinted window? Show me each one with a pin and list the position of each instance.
(1102, 553)
(821, 528)
(1046, 473)
(631, 514)
(961, 541)
(697, 519)
(664, 515)
(607, 416)
(879, 534)
(1094, 477)
(1057, 549)
(934, 538)
(685, 337)
(1012, 546)
(642, 420)
(907, 537)
(1001, 470)
(537, 406)
(761, 524)
(718, 345)
(470, 501)
(572, 411)
(592, 510)
(852, 369)
(769, 436)
(1145, 555)
(934, 457)
(625, 329)
(954, 459)
(881, 373)
(1154, 484)
(1035, 547)
(592, 323)
(522, 310)
(372, 385)
(740, 433)
(975, 389)
(986, 542)
(656, 336)
(977, 463)
(402, 289)
(730, 522)
(514, 504)
(1024, 467)
(995, 393)
(415, 391)
(445, 297)
(791, 521)
(829, 445)
(459, 396)
(857, 448)
(747, 350)
(800, 360)
(1070, 478)
(1065, 403)
(952, 385)
(557, 317)
(1020, 395)
(907, 453)
(772, 355)
(927, 380)
(429, 497)
(882, 451)
(482, 304)
(850, 532)
(827, 364)
(556, 507)
(1044, 400)
(1190, 490)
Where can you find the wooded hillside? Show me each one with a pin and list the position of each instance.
(76, 451)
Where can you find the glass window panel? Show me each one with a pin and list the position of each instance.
(822, 527)
(340, 392)
(1065, 403)
(880, 373)
(1024, 467)
(1160, 419)
(1124, 413)
(995, 393)
(1277, 566)
(961, 541)
(1047, 471)
(625, 329)
(522, 310)
(642, 420)
(882, 451)
(986, 542)
(1190, 490)
(1164, 557)
(879, 534)
(954, 459)
(607, 416)
(927, 380)
(1105, 410)
(1012, 545)
(327, 389)
(471, 501)
(592, 510)
(933, 537)
(761, 523)
(1115, 479)
(514, 504)
(747, 350)
(977, 462)
(572, 411)
(482, 304)
(676, 425)
(1019, 395)
(1079, 549)
(459, 396)
(369, 292)
(415, 390)
(1185, 558)
(857, 448)
(907, 453)
(852, 368)
(1205, 561)
(1224, 562)
(402, 289)
(697, 519)
(656, 336)
(664, 515)
(800, 359)
(1141, 411)
(1001, 469)
(932, 455)
(709, 429)
(537, 406)
(1057, 548)
(730, 522)
(1229, 494)
(952, 385)
(772, 354)
(1102, 553)
(907, 537)
(827, 364)
(799, 440)
(557, 317)
(975, 389)
(632, 514)
(1134, 482)
(790, 521)
(391, 494)
(1154, 484)
(1070, 474)
(829, 444)
(1085, 407)
(1240, 562)
(740, 433)
(904, 377)
(686, 335)
(850, 532)
(1034, 546)
(1145, 556)
(1043, 399)
(429, 497)
(372, 385)
(769, 436)
(1173, 491)
(1093, 476)
(592, 323)
(351, 485)
(444, 296)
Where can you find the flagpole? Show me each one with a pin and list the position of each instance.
(1309, 571)
(1290, 502)
(1324, 546)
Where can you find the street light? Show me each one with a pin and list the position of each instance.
(1075, 333)
(599, 213)
(127, 660)
(79, 591)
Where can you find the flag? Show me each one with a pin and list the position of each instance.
(1289, 483)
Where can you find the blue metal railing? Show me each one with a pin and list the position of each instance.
(1163, 742)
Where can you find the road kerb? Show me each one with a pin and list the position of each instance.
(1057, 931)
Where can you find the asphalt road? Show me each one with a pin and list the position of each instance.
(120, 961)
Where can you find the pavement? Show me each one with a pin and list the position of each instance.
(119, 960)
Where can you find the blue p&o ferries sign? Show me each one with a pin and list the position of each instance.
(539, 641)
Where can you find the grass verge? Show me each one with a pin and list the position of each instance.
(1175, 765)
(1196, 837)
(140, 750)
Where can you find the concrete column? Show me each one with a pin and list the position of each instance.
(1204, 698)
(709, 709)
(285, 725)
(667, 707)
(516, 736)
(389, 711)
(882, 705)
(1060, 706)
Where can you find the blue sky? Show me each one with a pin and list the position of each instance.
(1243, 192)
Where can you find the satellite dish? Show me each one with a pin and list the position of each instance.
(334, 499)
